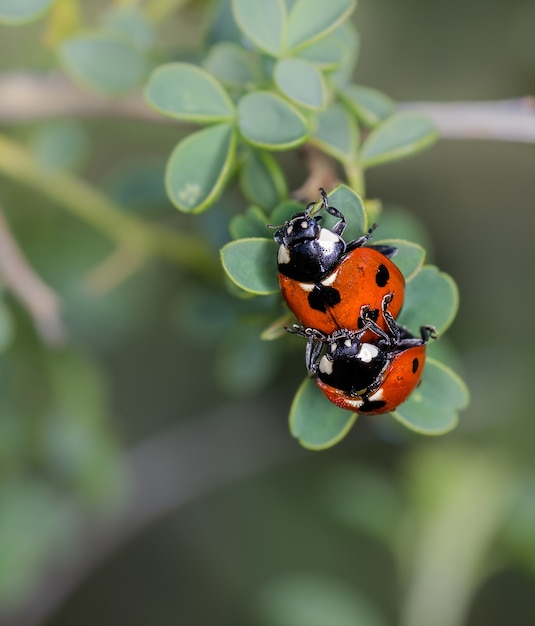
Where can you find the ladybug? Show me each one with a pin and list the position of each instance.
(367, 377)
(325, 281)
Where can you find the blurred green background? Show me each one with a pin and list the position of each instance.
(145, 477)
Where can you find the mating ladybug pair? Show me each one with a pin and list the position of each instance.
(346, 297)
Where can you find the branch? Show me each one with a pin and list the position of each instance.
(26, 97)
(504, 120)
(35, 296)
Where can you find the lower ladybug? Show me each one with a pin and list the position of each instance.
(367, 377)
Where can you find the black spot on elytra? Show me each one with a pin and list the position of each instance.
(371, 405)
(382, 276)
(415, 364)
(322, 297)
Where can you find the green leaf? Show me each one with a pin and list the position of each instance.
(267, 121)
(188, 93)
(251, 224)
(431, 297)
(277, 328)
(132, 25)
(284, 212)
(399, 136)
(311, 20)
(369, 105)
(316, 422)
(20, 11)
(397, 222)
(351, 205)
(409, 257)
(262, 180)
(252, 264)
(232, 65)
(198, 167)
(262, 22)
(350, 40)
(301, 82)
(327, 53)
(315, 600)
(60, 145)
(6, 327)
(103, 62)
(337, 133)
(432, 408)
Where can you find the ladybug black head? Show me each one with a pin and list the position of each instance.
(301, 227)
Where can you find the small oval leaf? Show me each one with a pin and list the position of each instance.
(232, 65)
(301, 82)
(262, 22)
(262, 180)
(188, 93)
(20, 11)
(251, 224)
(267, 121)
(311, 20)
(409, 256)
(103, 62)
(337, 133)
(350, 40)
(369, 105)
(316, 422)
(399, 136)
(351, 205)
(327, 53)
(132, 24)
(252, 264)
(432, 408)
(431, 297)
(198, 167)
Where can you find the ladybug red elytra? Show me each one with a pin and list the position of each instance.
(367, 377)
(325, 281)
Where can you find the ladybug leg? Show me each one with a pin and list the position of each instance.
(340, 226)
(428, 332)
(389, 318)
(370, 324)
(357, 243)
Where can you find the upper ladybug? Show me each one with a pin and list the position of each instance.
(325, 281)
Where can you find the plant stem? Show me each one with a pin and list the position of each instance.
(355, 177)
(89, 204)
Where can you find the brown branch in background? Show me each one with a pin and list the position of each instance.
(35, 296)
(505, 120)
(321, 173)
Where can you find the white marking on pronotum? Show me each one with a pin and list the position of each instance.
(283, 256)
(333, 346)
(326, 365)
(289, 230)
(327, 236)
(330, 279)
(357, 402)
(307, 286)
(304, 225)
(347, 343)
(367, 352)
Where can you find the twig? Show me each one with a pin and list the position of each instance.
(504, 120)
(321, 173)
(35, 296)
(26, 97)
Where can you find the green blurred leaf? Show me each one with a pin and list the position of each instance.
(252, 264)
(350, 40)
(198, 167)
(284, 212)
(336, 133)
(431, 297)
(251, 224)
(232, 65)
(409, 257)
(189, 93)
(262, 180)
(399, 136)
(244, 363)
(397, 222)
(316, 422)
(222, 26)
(432, 408)
(351, 205)
(315, 600)
(7, 327)
(60, 145)
(327, 53)
(277, 328)
(311, 20)
(301, 82)
(369, 105)
(14, 12)
(264, 23)
(103, 62)
(132, 24)
(266, 120)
